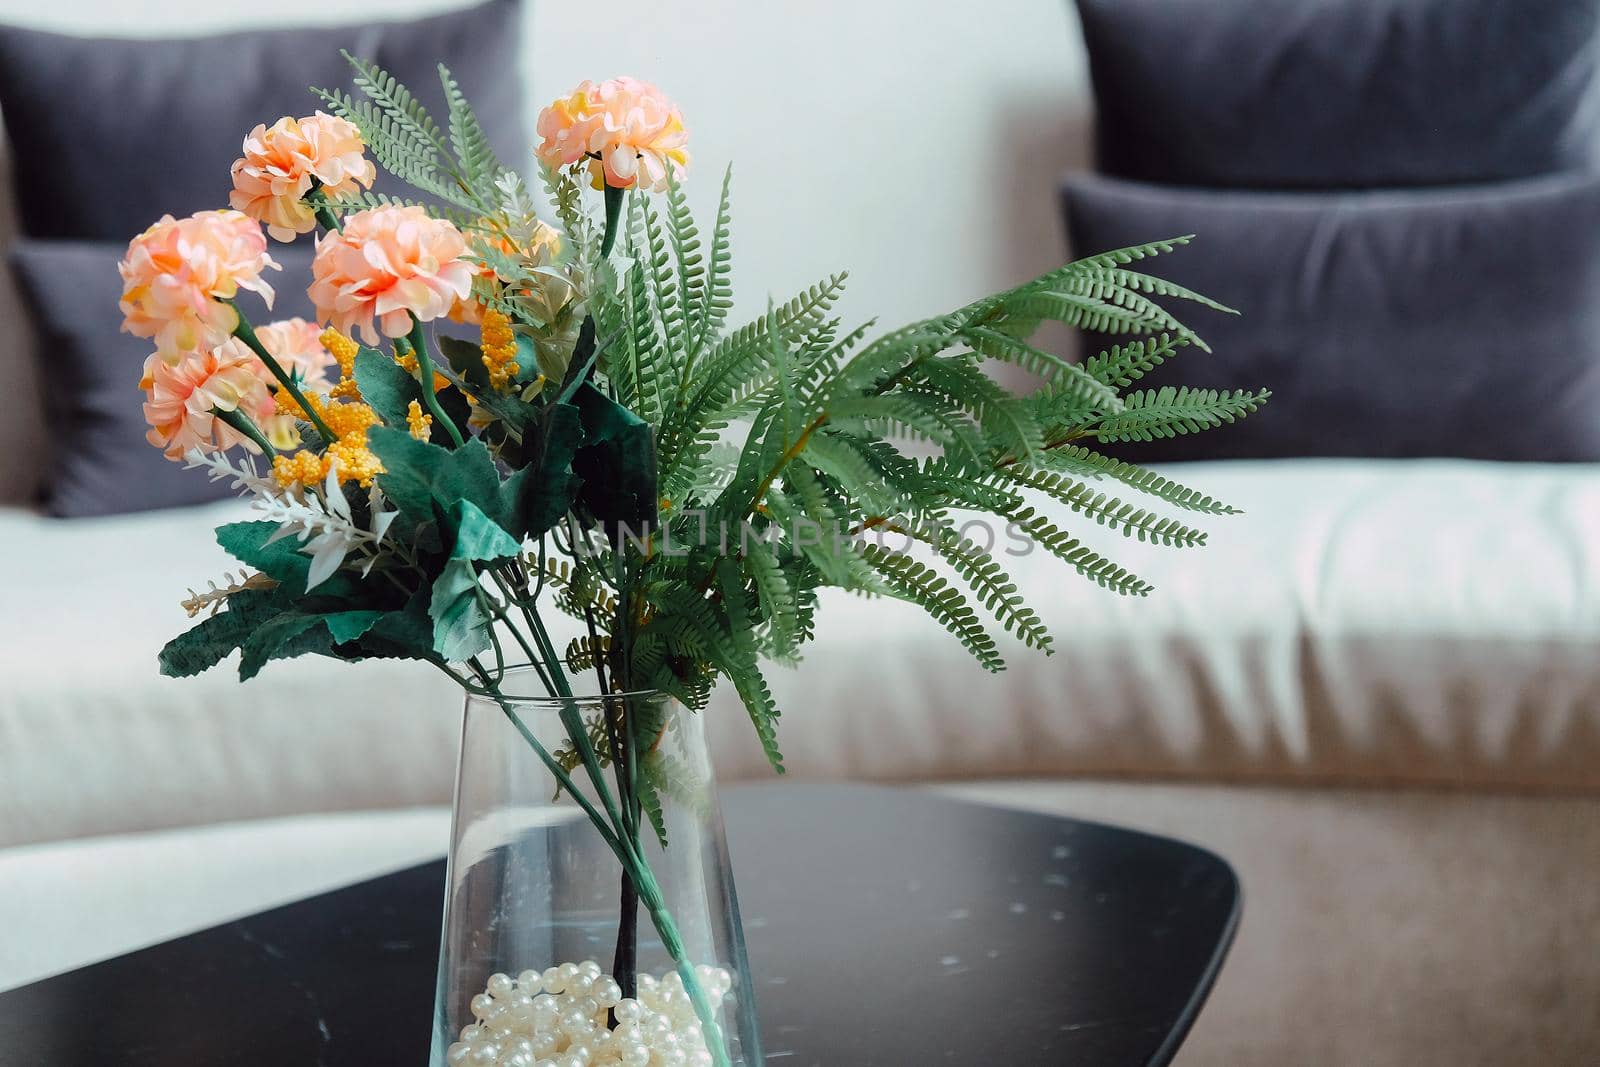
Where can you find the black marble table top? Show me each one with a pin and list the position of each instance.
(886, 927)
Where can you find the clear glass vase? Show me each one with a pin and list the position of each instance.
(552, 943)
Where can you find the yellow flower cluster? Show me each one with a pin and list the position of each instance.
(305, 467)
(349, 423)
(343, 349)
(499, 348)
(418, 423)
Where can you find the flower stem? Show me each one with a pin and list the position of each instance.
(244, 332)
(246, 425)
(321, 208)
(419, 345)
(614, 198)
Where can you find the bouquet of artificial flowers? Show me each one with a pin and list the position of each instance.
(605, 446)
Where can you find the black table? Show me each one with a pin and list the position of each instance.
(979, 936)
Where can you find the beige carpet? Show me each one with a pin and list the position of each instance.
(1407, 928)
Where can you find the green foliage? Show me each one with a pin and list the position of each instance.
(1150, 414)
(686, 489)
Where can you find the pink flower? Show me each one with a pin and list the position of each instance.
(177, 274)
(271, 179)
(393, 263)
(297, 346)
(181, 396)
(628, 128)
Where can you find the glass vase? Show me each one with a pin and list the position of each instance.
(560, 936)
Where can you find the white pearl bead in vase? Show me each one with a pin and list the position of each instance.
(558, 1017)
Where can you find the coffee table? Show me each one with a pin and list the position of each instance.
(886, 927)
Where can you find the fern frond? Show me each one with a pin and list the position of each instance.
(1152, 414)
(1108, 510)
(480, 169)
(1080, 557)
(1124, 364)
(994, 588)
(1075, 459)
(916, 582)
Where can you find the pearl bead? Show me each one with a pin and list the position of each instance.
(558, 1018)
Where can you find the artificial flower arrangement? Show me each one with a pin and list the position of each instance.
(423, 496)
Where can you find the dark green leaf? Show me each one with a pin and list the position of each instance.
(275, 639)
(209, 643)
(419, 475)
(617, 462)
(477, 536)
(460, 625)
(346, 626)
(537, 495)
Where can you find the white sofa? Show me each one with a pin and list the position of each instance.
(1376, 693)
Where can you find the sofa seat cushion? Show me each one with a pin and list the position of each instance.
(1416, 621)
(1364, 621)
(174, 882)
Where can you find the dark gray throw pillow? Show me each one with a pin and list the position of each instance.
(1451, 322)
(109, 135)
(1343, 93)
(101, 463)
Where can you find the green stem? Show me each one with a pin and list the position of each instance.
(419, 344)
(321, 208)
(245, 425)
(650, 893)
(614, 199)
(604, 828)
(244, 332)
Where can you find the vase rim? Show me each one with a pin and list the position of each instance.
(517, 676)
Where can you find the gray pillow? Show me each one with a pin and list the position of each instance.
(109, 135)
(100, 462)
(1343, 93)
(1452, 322)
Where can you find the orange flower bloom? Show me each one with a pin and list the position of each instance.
(392, 263)
(181, 398)
(271, 179)
(177, 274)
(297, 346)
(628, 129)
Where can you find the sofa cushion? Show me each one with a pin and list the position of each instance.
(1428, 622)
(1331, 93)
(108, 135)
(89, 370)
(1446, 322)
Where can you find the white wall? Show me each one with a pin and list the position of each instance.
(914, 144)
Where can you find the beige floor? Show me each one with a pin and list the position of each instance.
(1406, 928)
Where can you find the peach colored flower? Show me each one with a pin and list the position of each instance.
(177, 274)
(628, 129)
(271, 179)
(181, 396)
(392, 263)
(297, 346)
